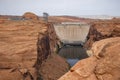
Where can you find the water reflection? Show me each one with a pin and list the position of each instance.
(73, 54)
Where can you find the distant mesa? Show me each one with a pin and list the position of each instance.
(30, 15)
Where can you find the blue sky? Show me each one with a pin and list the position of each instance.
(61, 7)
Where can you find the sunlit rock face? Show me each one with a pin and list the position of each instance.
(30, 16)
(25, 45)
(49, 65)
(103, 65)
(18, 49)
(101, 30)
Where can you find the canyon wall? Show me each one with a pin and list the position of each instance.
(48, 62)
(18, 49)
(101, 30)
(27, 46)
(103, 65)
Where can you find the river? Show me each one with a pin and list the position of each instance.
(73, 54)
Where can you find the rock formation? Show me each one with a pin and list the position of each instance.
(103, 65)
(30, 16)
(25, 49)
(48, 60)
(28, 46)
(101, 30)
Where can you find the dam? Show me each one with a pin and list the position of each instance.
(73, 35)
(72, 32)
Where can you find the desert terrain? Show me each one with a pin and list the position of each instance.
(28, 43)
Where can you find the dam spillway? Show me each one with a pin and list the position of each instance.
(72, 32)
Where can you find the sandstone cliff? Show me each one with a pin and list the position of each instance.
(25, 49)
(101, 30)
(103, 65)
(18, 49)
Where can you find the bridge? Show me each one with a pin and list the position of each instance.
(72, 32)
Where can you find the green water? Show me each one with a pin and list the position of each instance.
(73, 54)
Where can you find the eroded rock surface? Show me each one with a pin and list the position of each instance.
(18, 50)
(101, 30)
(49, 65)
(103, 65)
(26, 51)
(30, 16)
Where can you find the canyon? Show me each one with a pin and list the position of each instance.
(28, 50)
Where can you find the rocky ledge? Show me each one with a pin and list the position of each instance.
(104, 64)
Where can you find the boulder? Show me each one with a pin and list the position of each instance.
(30, 16)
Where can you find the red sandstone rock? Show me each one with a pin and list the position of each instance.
(18, 50)
(49, 65)
(103, 65)
(102, 30)
(20, 55)
(29, 15)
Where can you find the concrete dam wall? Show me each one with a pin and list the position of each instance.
(72, 33)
